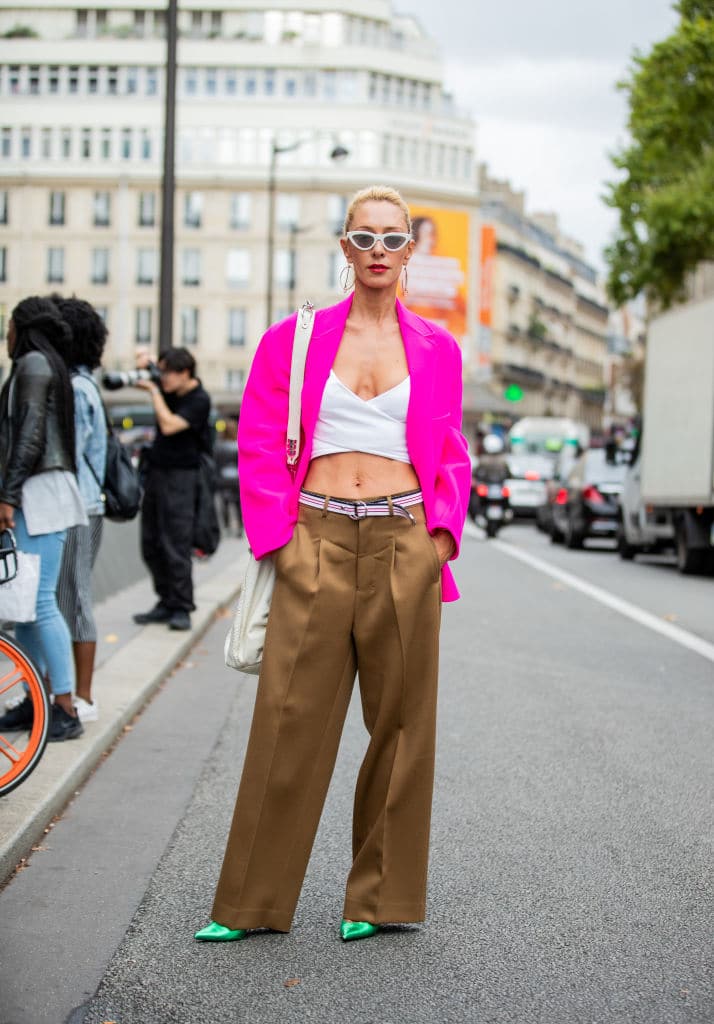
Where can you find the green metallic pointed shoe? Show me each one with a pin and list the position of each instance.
(218, 933)
(350, 930)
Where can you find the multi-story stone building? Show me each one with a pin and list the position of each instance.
(81, 137)
(544, 316)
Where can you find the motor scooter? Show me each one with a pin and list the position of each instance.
(490, 506)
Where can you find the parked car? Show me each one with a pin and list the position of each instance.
(588, 502)
(527, 482)
(561, 467)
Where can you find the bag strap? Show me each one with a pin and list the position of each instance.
(301, 340)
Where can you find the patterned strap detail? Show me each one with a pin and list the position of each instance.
(357, 509)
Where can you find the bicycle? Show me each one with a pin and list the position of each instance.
(20, 749)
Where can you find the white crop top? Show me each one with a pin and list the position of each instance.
(348, 423)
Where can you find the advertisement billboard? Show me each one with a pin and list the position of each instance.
(438, 270)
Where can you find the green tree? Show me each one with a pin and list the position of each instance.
(665, 197)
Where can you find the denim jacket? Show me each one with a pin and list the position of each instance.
(91, 439)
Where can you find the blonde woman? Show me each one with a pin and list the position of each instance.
(361, 536)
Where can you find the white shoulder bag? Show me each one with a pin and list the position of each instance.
(243, 649)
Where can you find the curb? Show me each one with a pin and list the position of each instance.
(27, 811)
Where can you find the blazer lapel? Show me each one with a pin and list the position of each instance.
(326, 337)
(419, 349)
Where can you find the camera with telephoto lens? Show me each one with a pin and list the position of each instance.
(128, 378)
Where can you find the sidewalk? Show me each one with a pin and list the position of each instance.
(132, 662)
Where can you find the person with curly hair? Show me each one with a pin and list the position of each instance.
(39, 495)
(83, 353)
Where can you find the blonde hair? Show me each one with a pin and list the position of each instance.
(379, 194)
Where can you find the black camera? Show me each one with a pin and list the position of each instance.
(128, 378)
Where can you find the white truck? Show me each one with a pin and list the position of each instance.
(669, 491)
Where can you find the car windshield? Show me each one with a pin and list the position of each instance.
(599, 470)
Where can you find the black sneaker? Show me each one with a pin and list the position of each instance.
(159, 613)
(20, 717)
(180, 620)
(63, 725)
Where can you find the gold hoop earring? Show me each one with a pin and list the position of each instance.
(345, 282)
(405, 279)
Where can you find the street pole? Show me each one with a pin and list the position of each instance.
(274, 150)
(338, 153)
(166, 278)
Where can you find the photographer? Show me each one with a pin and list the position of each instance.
(181, 407)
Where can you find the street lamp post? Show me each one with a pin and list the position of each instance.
(166, 273)
(338, 153)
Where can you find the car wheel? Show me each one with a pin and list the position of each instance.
(626, 551)
(573, 540)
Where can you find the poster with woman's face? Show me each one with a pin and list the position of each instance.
(438, 270)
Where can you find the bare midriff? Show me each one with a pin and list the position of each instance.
(359, 475)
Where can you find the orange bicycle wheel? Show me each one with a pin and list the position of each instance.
(21, 748)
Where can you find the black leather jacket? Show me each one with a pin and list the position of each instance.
(31, 440)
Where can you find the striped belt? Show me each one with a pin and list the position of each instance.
(390, 505)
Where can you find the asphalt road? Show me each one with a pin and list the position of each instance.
(571, 846)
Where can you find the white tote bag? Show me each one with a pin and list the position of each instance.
(243, 649)
(19, 581)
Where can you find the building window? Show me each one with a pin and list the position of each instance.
(283, 268)
(112, 81)
(240, 210)
(103, 312)
(105, 144)
(192, 209)
(152, 81)
(235, 380)
(269, 82)
(73, 79)
(211, 82)
(287, 211)
(93, 80)
(146, 266)
(57, 205)
(142, 332)
(139, 23)
(231, 83)
(100, 266)
(55, 266)
(46, 143)
(189, 325)
(190, 81)
(147, 209)
(132, 80)
(145, 144)
(14, 79)
(33, 80)
(191, 267)
(3, 264)
(336, 213)
(26, 143)
(236, 327)
(86, 143)
(66, 143)
(125, 148)
(4, 207)
(237, 268)
(6, 142)
(102, 209)
(53, 79)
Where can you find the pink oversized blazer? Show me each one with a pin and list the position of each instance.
(438, 449)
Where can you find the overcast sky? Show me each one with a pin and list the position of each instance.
(539, 78)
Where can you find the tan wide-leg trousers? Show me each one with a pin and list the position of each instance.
(349, 596)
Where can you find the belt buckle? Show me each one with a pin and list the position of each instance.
(355, 514)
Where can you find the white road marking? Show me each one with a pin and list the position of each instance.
(631, 611)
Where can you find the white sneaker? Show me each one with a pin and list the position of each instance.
(87, 712)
